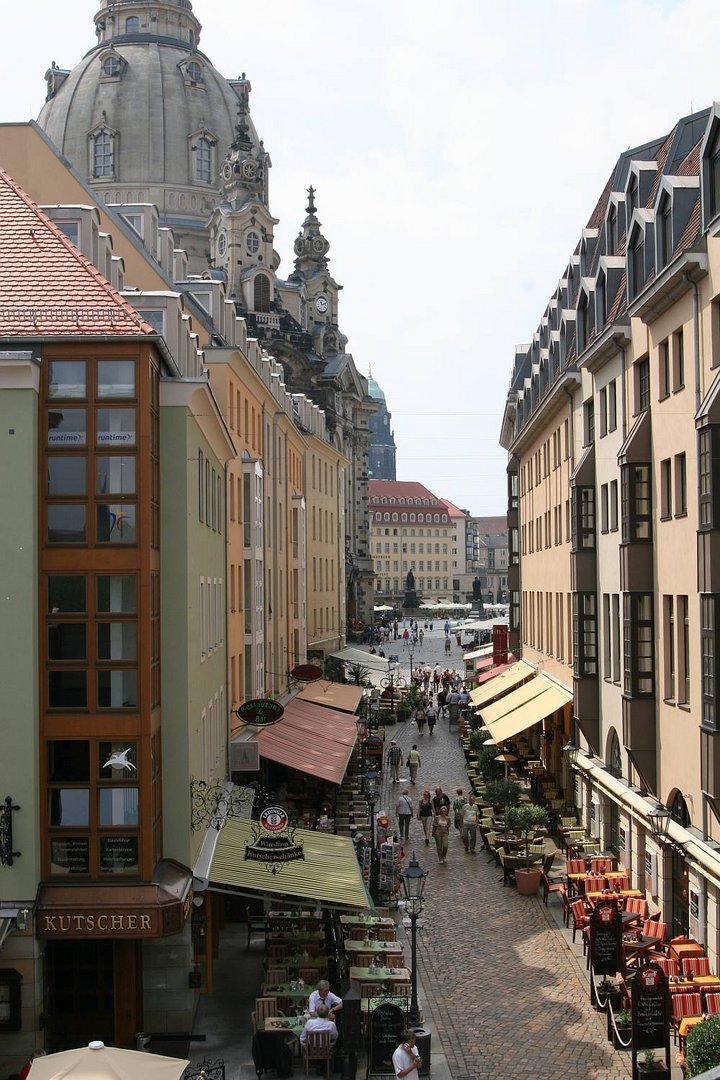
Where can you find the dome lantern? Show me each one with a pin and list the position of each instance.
(147, 20)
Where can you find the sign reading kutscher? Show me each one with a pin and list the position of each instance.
(122, 911)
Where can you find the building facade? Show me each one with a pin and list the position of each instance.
(410, 532)
(610, 425)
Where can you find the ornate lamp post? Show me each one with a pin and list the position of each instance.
(413, 881)
(371, 794)
(360, 724)
(659, 819)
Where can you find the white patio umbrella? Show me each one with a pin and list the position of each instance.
(100, 1062)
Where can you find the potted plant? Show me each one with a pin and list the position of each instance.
(525, 820)
(503, 793)
(622, 1035)
(702, 1046)
(650, 1064)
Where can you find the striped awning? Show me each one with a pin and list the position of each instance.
(501, 684)
(329, 872)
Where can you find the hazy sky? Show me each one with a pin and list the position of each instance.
(457, 150)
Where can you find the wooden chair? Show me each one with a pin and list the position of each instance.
(577, 866)
(712, 1003)
(580, 918)
(601, 866)
(559, 888)
(371, 989)
(671, 968)
(277, 951)
(637, 906)
(683, 1006)
(255, 924)
(695, 965)
(309, 975)
(653, 928)
(318, 1046)
(264, 1007)
(275, 975)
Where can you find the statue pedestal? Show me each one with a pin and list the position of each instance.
(478, 608)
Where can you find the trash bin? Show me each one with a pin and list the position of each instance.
(423, 1040)
(142, 1040)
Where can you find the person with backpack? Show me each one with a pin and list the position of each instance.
(404, 812)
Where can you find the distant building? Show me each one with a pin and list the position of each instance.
(382, 453)
(410, 529)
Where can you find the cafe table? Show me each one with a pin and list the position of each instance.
(379, 974)
(379, 948)
(636, 947)
(593, 897)
(301, 937)
(370, 921)
(687, 1023)
(283, 1025)
(297, 995)
(315, 963)
(284, 919)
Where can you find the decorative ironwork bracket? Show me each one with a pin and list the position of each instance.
(7, 855)
(211, 804)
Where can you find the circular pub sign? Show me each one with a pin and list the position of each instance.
(260, 711)
(306, 672)
(274, 819)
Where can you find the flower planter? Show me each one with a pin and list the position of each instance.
(622, 1038)
(528, 881)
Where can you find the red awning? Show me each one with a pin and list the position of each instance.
(483, 665)
(311, 739)
(488, 675)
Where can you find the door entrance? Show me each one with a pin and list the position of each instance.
(81, 993)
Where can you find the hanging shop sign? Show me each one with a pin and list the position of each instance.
(306, 673)
(273, 841)
(262, 712)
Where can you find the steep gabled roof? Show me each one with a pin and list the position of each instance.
(47, 287)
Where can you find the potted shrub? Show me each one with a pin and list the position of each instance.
(503, 793)
(525, 820)
(622, 1035)
(487, 765)
(650, 1064)
(702, 1047)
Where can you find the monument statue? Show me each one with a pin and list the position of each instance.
(477, 589)
(411, 599)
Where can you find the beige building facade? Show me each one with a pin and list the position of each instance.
(410, 532)
(611, 428)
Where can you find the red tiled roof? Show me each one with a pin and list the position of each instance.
(598, 215)
(399, 489)
(691, 229)
(491, 526)
(454, 510)
(660, 158)
(618, 304)
(47, 287)
(690, 165)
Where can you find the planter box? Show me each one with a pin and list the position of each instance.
(527, 881)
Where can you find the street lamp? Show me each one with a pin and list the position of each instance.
(411, 667)
(571, 751)
(659, 818)
(413, 882)
(371, 794)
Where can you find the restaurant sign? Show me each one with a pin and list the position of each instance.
(650, 1009)
(273, 841)
(606, 952)
(105, 924)
(262, 712)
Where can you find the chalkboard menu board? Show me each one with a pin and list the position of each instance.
(650, 1008)
(606, 955)
(387, 1024)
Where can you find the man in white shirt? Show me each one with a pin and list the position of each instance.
(406, 1059)
(320, 1023)
(324, 996)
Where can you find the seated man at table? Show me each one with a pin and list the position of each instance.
(324, 996)
(320, 1022)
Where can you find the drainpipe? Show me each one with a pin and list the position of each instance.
(696, 335)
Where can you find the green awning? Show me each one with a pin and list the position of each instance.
(328, 873)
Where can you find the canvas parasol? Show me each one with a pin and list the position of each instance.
(100, 1062)
(506, 759)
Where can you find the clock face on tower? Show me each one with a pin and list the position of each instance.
(321, 304)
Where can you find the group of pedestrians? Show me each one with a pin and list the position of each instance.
(433, 813)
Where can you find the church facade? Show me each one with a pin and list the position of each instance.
(148, 120)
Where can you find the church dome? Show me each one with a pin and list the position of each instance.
(145, 116)
(374, 390)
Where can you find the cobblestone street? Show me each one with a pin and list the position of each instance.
(507, 995)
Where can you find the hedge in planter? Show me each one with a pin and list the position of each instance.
(503, 793)
(702, 1047)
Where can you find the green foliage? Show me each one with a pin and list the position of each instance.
(624, 1018)
(477, 739)
(503, 793)
(335, 669)
(487, 765)
(702, 1047)
(413, 696)
(525, 820)
(649, 1058)
(359, 674)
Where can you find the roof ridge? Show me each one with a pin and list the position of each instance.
(89, 267)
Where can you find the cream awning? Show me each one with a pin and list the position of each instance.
(509, 679)
(518, 711)
(329, 872)
(333, 695)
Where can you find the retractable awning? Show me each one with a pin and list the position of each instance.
(311, 739)
(518, 711)
(329, 871)
(332, 695)
(372, 661)
(508, 680)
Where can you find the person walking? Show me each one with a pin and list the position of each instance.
(470, 819)
(404, 812)
(431, 717)
(447, 646)
(421, 635)
(405, 637)
(406, 1059)
(440, 799)
(421, 716)
(446, 628)
(426, 815)
(394, 760)
(457, 806)
(414, 763)
(441, 832)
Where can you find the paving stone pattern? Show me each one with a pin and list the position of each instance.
(506, 995)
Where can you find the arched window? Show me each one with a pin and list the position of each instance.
(261, 289)
(103, 154)
(203, 154)
(194, 71)
(132, 25)
(387, 517)
(680, 914)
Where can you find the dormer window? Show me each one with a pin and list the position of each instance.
(637, 263)
(632, 197)
(193, 73)
(612, 231)
(664, 239)
(112, 66)
(601, 302)
(132, 25)
(203, 152)
(715, 178)
(261, 293)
